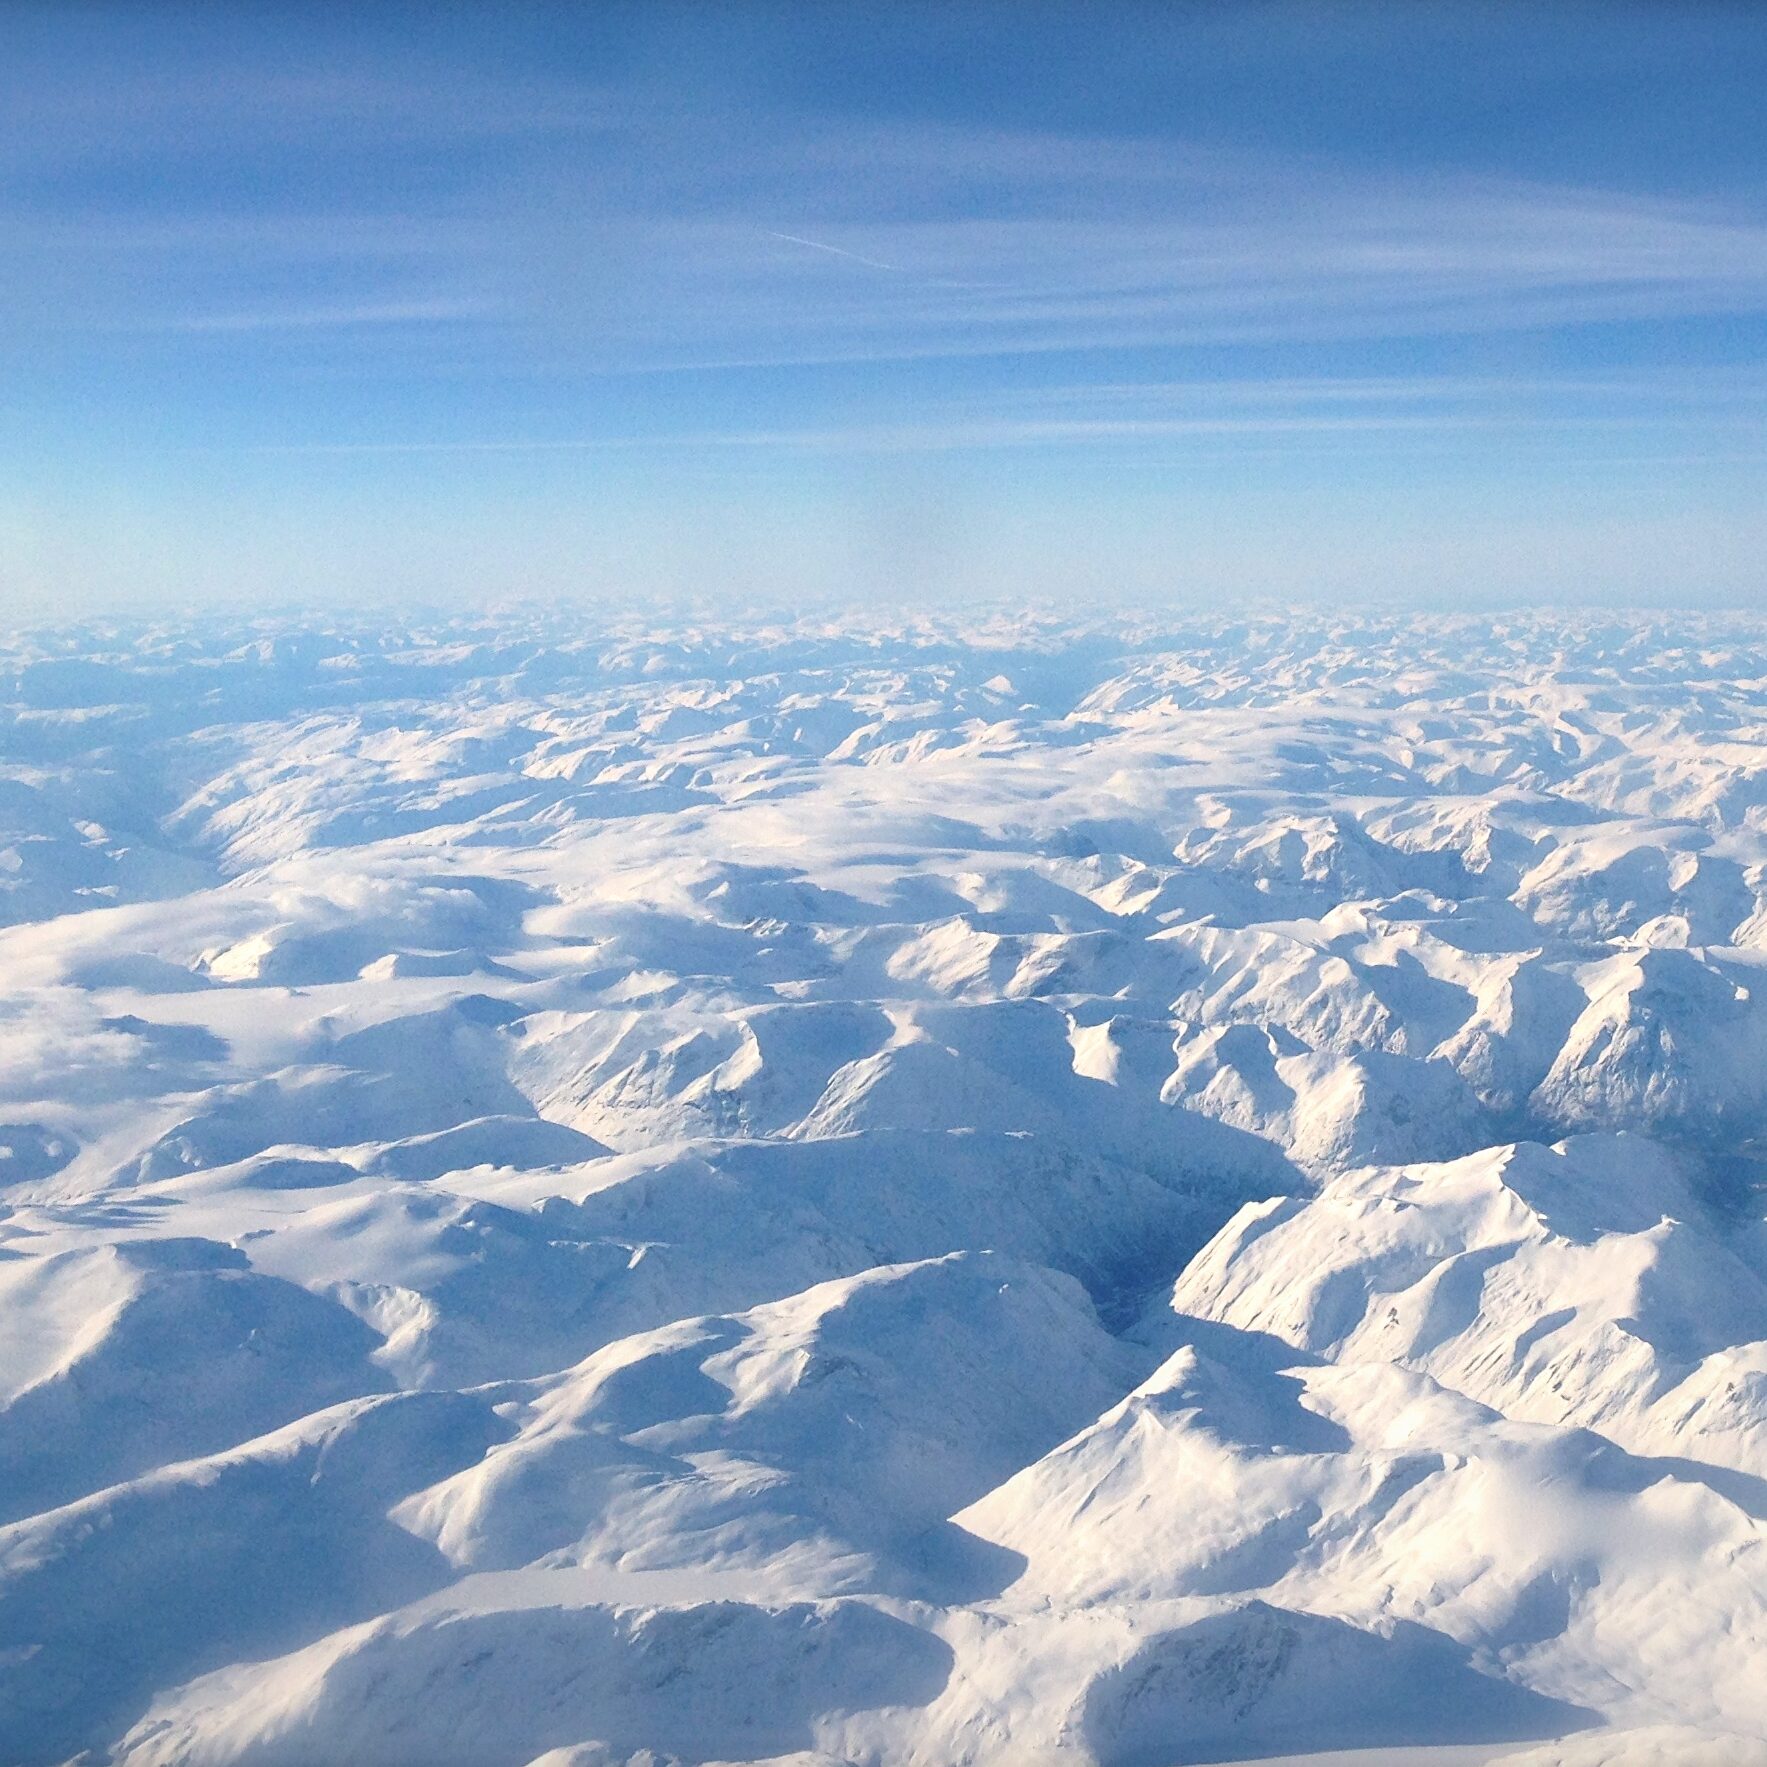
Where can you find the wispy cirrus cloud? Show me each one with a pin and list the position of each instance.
(327, 318)
(601, 234)
(1276, 254)
(1615, 410)
(390, 294)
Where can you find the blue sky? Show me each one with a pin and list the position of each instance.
(1194, 302)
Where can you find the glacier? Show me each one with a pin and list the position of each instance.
(602, 1189)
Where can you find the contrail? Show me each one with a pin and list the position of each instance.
(816, 245)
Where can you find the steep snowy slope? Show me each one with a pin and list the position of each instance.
(1583, 1284)
(884, 1190)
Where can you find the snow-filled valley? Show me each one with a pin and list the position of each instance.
(955, 1190)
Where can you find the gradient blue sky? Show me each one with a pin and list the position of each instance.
(1204, 302)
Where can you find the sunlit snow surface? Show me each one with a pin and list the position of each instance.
(881, 1191)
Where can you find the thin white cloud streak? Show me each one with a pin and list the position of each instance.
(1006, 433)
(1644, 395)
(330, 318)
(1721, 408)
(106, 95)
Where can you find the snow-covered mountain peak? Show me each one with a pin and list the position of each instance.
(884, 1190)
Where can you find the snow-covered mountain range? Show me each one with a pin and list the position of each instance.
(882, 1190)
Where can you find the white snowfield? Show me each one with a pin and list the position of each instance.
(884, 1190)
